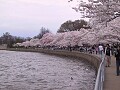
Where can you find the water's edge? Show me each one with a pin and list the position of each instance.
(93, 60)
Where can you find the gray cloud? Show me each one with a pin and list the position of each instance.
(20, 17)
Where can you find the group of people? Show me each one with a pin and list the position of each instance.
(107, 50)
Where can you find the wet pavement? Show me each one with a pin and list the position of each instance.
(36, 71)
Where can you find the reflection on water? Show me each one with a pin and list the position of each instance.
(36, 71)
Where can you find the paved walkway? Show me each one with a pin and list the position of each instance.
(112, 82)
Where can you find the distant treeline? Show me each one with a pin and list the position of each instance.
(9, 39)
(69, 25)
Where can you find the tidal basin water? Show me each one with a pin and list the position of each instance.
(36, 71)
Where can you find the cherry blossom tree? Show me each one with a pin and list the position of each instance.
(101, 11)
(46, 39)
(110, 34)
(34, 42)
(57, 38)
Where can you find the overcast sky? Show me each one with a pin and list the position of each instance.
(26, 17)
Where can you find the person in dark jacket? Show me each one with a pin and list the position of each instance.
(117, 55)
(108, 56)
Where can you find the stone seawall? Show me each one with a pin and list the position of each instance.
(93, 60)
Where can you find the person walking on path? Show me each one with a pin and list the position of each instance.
(108, 55)
(101, 50)
(117, 55)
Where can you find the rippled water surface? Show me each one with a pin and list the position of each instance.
(36, 71)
